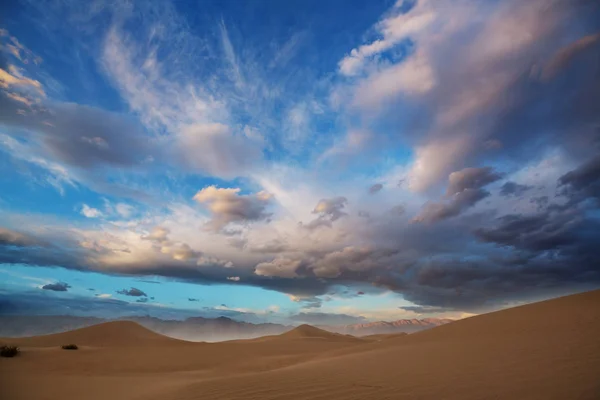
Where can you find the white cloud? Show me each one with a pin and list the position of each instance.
(414, 76)
(90, 212)
(124, 210)
(393, 30)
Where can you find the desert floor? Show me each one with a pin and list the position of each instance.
(547, 350)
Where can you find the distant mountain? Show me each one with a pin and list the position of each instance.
(201, 329)
(387, 327)
(210, 329)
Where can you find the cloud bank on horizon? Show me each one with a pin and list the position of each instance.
(444, 153)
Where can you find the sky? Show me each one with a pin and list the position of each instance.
(330, 162)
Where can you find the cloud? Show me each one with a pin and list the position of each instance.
(331, 208)
(79, 136)
(104, 295)
(449, 84)
(469, 82)
(57, 287)
(214, 149)
(328, 211)
(201, 139)
(308, 302)
(375, 188)
(514, 189)
(392, 30)
(424, 309)
(152, 282)
(280, 267)
(349, 259)
(413, 77)
(124, 210)
(8, 80)
(158, 234)
(90, 212)
(398, 210)
(584, 180)
(364, 214)
(568, 54)
(177, 250)
(465, 189)
(274, 246)
(228, 206)
(72, 143)
(132, 292)
(9, 237)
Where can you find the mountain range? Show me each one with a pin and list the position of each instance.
(199, 328)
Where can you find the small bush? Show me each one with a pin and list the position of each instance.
(70, 347)
(9, 351)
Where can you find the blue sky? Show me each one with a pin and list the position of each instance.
(353, 160)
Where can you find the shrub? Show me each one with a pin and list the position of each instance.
(9, 351)
(70, 347)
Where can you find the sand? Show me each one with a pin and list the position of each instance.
(547, 350)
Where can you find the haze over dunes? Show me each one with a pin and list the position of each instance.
(520, 353)
(200, 329)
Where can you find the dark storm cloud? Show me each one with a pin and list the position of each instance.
(465, 189)
(514, 189)
(134, 292)
(540, 201)
(584, 181)
(544, 231)
(57, 287)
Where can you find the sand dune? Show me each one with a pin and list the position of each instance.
(108, 334)
(547, 350)
(311, 332)
(383, 336)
